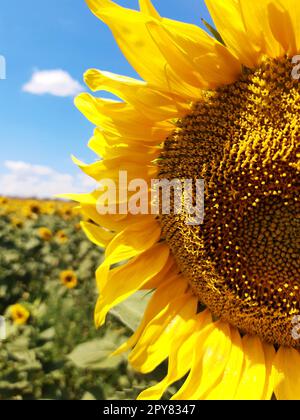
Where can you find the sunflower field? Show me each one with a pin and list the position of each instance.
(52, 349)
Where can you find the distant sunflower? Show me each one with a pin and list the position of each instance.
(49, 208)
(32, 211)
(17, 222)
(69, 279)
(45, 233)
(3, 200)
(19, 314)
(227, 111)
(66, 212)
(61, 237)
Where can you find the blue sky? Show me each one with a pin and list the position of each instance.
(39, 35)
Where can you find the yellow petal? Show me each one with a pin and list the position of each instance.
(114, 117)
(114, 222)
(110, 115)
(88, 207)
(227, 386)
(212, 351)
(154, 345)
(130, 30)
(182, 346)
(270, 373)
(254, 29)
(103, 80)
(132, 241)
(110, 169)
(141, 153)
(253, 378)
(147, 7)
(227, 16)
(170, 271)
(180, 62)
(135, 134)
(152, 103)
(194, 55)
(292, 14)
(137, 272)
(287, 376)
(96, 234)
(269, 15)
(167, 292)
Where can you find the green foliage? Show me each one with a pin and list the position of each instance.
(130, 311)
(213, 31)
(59, 354)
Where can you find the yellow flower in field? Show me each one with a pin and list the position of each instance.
(49, 208)
(226, 305)
(16, 222)
(65, 211)
(45, 233)
(69, 279)
(35, 208)
(32, 210)
(61, 237)
(3, 200)
(19, 314)
(78, 226)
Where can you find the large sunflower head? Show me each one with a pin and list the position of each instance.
(226, 305)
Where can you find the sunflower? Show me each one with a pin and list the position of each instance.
(226, 292)
(61, 237)
(45, 233)
(32, 210)
(77, 226)
(69, 279)
(17, 222)
(49, 208)
(19, 314)
(66, 212)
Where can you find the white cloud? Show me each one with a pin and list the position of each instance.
(23, 179)
(23, 167)
(54, 82)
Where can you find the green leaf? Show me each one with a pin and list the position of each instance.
(96, 354)
(131, 311)
(48, 334)
(88, 397)
(213, 31)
